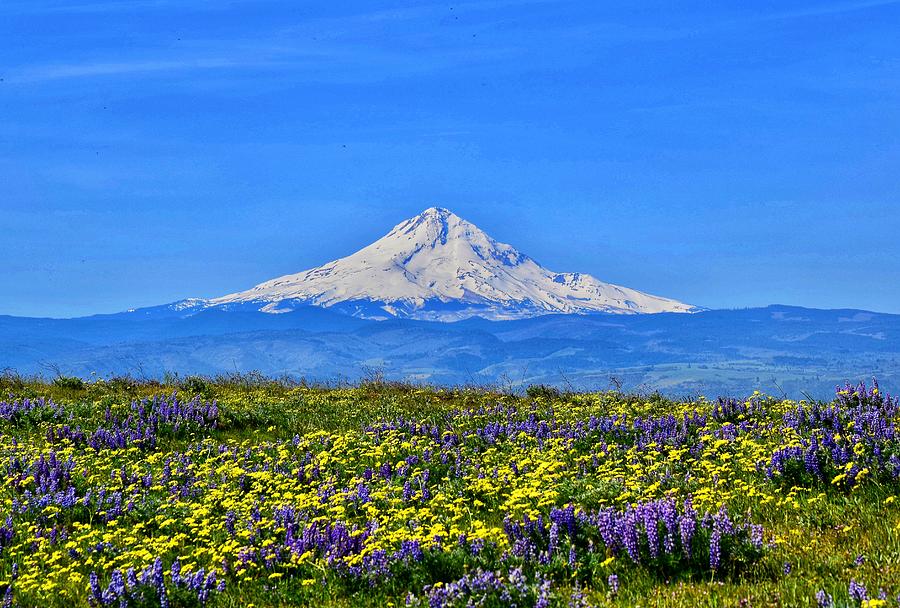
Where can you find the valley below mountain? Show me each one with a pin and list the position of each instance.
(777, 349)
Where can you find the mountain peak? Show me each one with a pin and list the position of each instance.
(433, 215)
(435, 218)
(440, 212)
(441, 240)
(436, 221)
(439, 266)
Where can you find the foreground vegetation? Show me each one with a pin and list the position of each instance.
(246, 491)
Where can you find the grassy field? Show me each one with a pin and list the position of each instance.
(245, 491)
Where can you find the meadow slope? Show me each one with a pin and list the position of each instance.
(245, 491)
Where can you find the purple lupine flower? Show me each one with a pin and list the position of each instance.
(651, 528)
(117, 584)
(824, 600)
(613, 582)
(554, 537)
(543, 594)
(578, 598)
(687, 525)
(715, 548)
(131, 579)
(858, 591)
(626, 528)
(756, 536)
(94, 587)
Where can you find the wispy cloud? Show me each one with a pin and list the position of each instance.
(829, 9)
(356, 47)
(112, 6)
(330, 63)
(118, 6)
(345, 48)
(51, 72)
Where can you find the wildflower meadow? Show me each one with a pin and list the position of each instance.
(251, 492)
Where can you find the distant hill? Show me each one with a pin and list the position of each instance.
(773, 349)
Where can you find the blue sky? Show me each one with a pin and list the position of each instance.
(726, 154)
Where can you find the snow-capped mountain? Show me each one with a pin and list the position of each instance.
(438, 266)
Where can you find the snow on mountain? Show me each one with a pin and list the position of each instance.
(438, 266)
